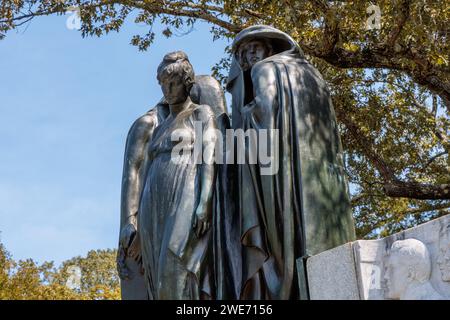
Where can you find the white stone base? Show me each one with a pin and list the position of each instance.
(377, 270)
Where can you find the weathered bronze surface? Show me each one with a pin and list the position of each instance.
(221, 230)
(205, 91)
(304, 208)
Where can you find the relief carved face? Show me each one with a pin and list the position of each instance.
(443, 260)
(408, 265)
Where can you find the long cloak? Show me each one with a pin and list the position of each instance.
(304, 208)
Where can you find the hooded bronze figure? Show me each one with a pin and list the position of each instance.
(303, 208)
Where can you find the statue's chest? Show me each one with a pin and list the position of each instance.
(179, 133)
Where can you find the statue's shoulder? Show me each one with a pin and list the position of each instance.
(145, 120)
(263, 68)
(144, 123)
(264, 76)
(206, 82)
(203, 112)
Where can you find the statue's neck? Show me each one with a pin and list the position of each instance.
(176, 108)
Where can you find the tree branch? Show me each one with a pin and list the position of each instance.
(417, 191)
(366, 145)
(392, 186)
(196, 11)
(376, 58)
(417, 66)
(404, 10)
(440, 154)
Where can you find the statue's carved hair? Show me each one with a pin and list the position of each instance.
(177, 63)
(241, 50)
(415, 255)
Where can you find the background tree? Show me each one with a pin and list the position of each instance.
(28, 280)
(99, 279)
(390, 83)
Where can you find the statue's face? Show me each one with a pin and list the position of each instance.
(255, 51)
(396, 277)
(443, 260)
(174, 89)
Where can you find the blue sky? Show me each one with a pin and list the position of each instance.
(66, 104)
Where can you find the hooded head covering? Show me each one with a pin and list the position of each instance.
(303, 208)
(281, 41)
(282, 44)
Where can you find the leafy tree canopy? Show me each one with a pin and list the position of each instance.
(390, 82)
(93, 277)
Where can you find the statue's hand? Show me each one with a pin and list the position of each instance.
(202, 221)
(127, 235)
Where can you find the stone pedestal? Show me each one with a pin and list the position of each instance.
(413, 264)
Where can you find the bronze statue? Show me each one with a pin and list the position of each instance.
(206, 90)
(303, 208)
(204, 230)
(175, 210)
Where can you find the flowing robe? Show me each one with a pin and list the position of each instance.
(303, 208)
(226, 251)
(177, 264)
